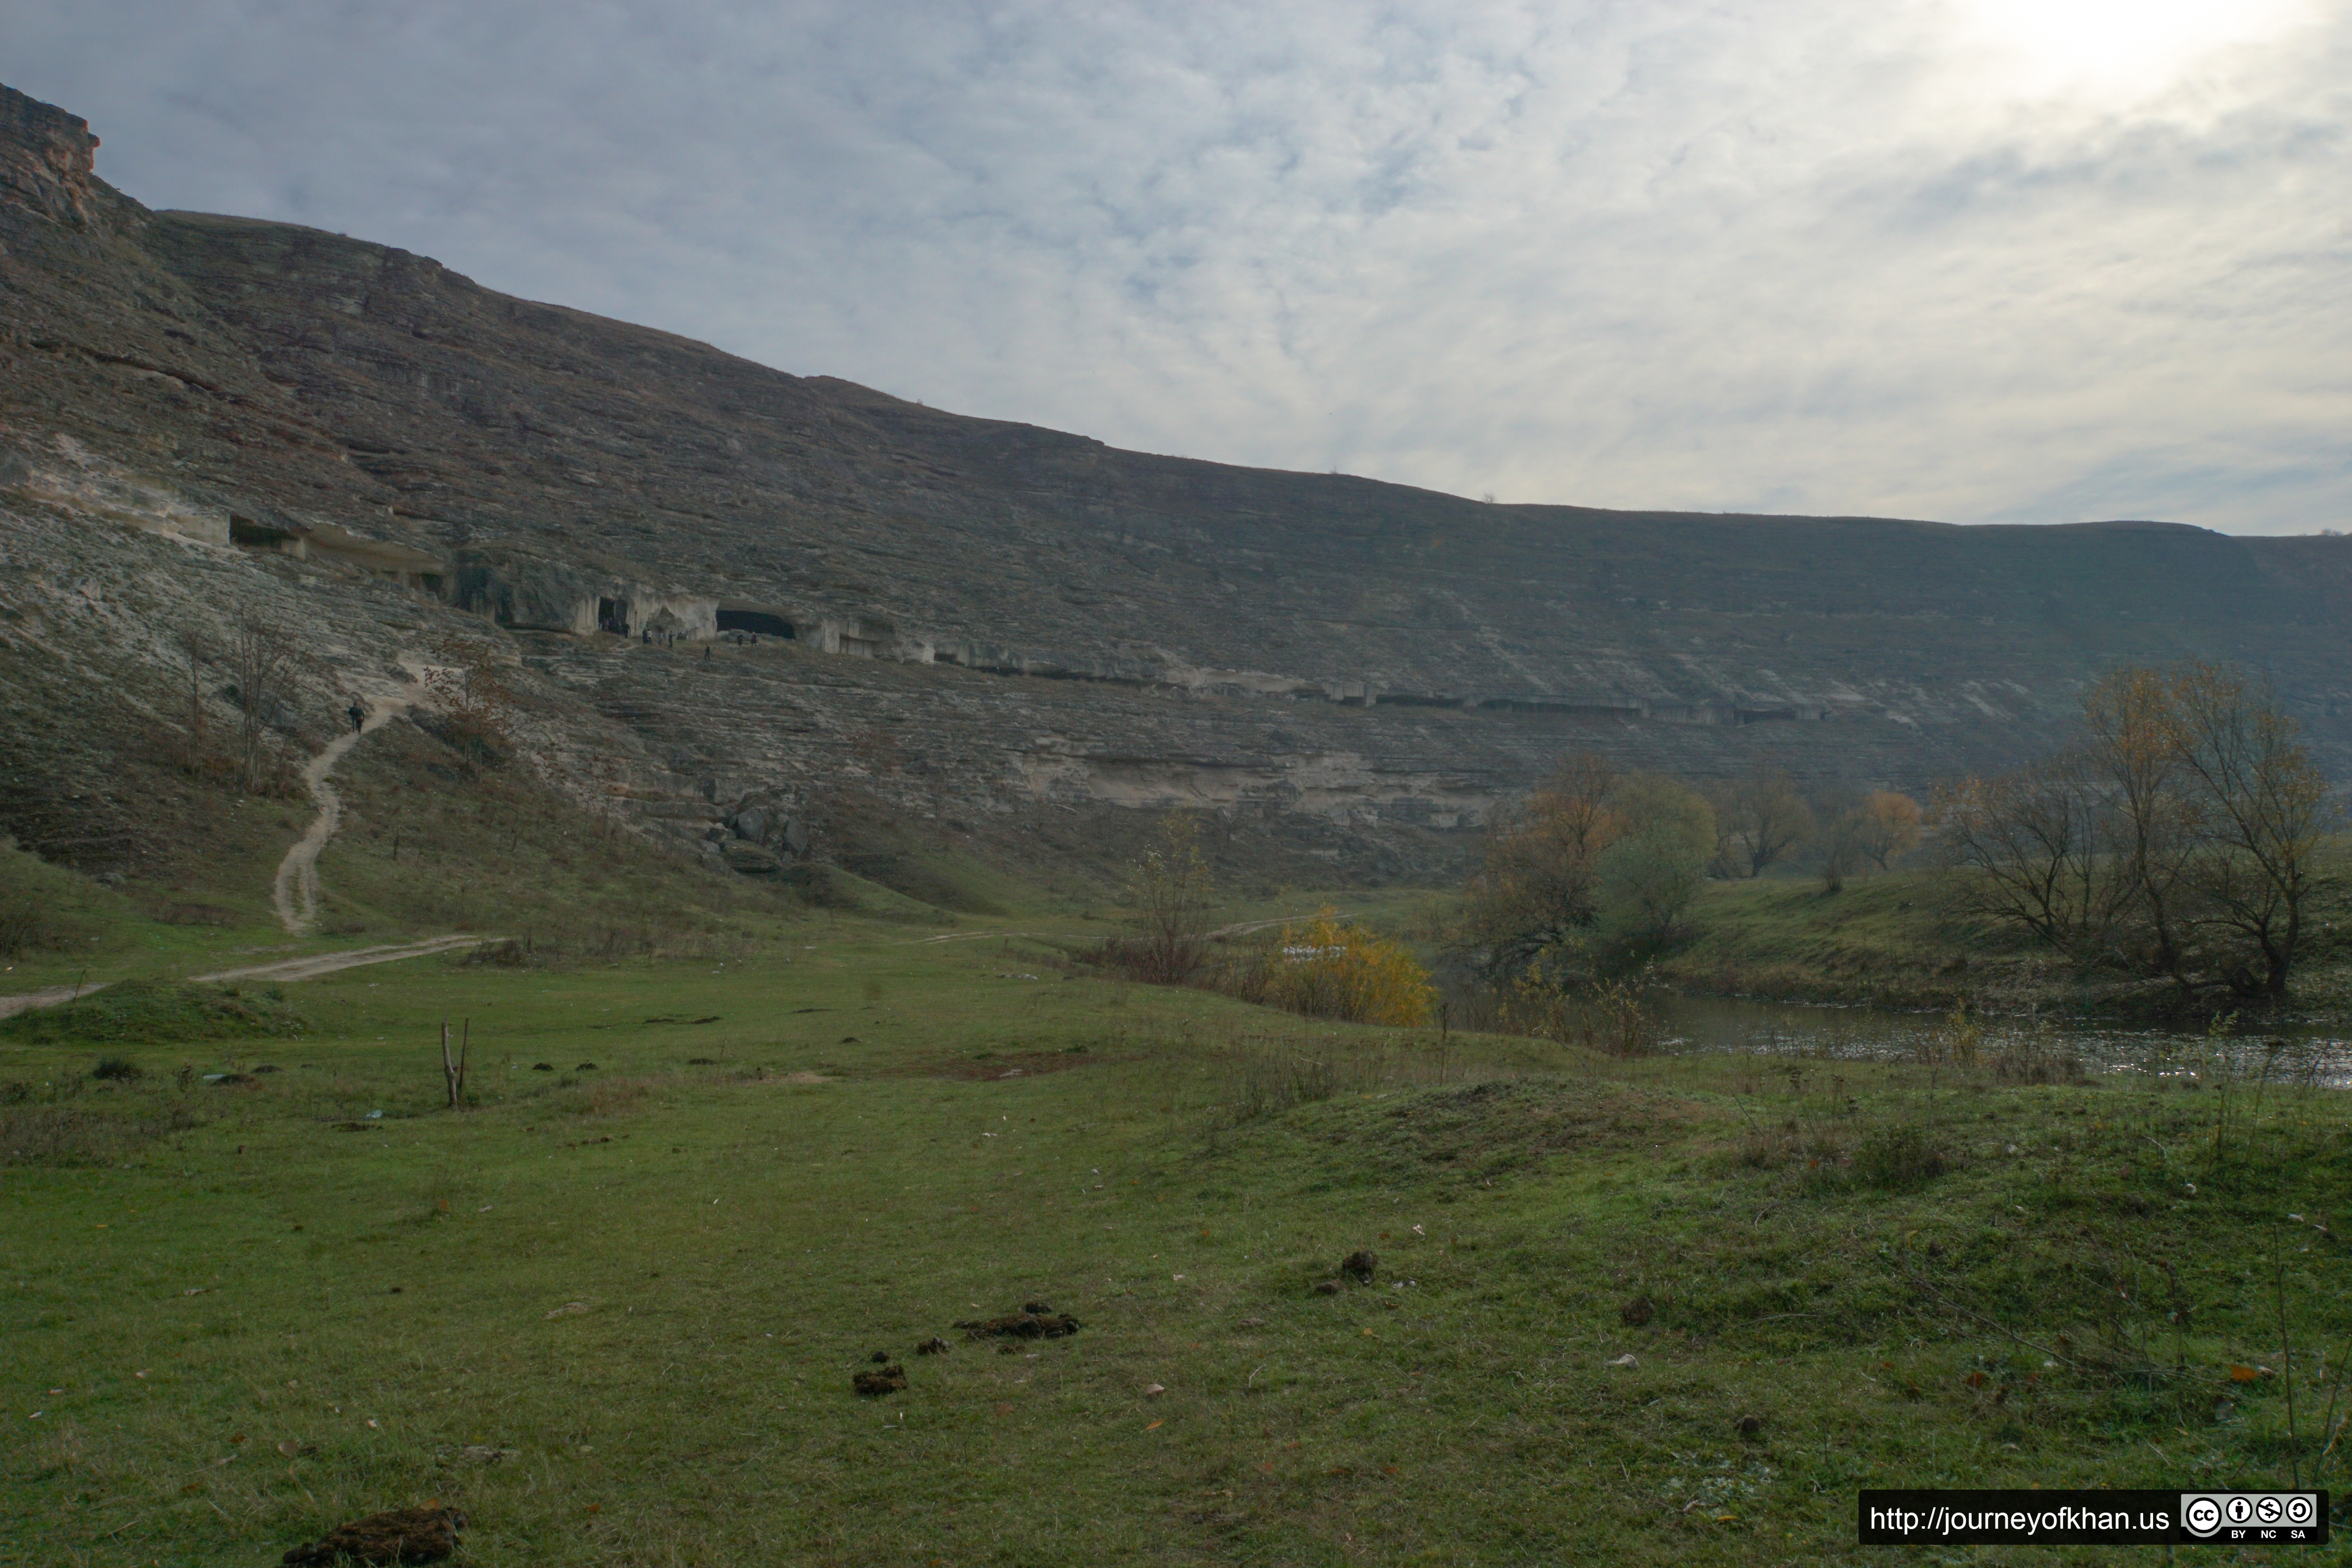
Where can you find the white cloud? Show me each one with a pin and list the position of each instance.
(1823, 255)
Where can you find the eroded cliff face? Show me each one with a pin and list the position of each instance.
(967, 618)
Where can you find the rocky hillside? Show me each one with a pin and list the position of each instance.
(205, 419)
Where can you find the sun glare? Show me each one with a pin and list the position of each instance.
(2126, 46)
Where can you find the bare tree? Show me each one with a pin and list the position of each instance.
(262, 663)
(1170, 890)
(2264, 809)
(191, 642)
(1760, 817)
(1540, 882)
(2179, 840)
(1886, 827)
(2038, 840)
(2133, 749)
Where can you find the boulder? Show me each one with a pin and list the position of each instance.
(751, 860)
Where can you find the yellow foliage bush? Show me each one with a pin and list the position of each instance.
(1326, 970)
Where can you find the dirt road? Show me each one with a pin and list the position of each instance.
(284, 969)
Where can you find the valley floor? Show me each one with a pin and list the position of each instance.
(1676, 1309)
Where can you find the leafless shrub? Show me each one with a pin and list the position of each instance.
(1170, 891)
(261, 662)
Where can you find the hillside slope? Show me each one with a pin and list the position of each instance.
(972, 623)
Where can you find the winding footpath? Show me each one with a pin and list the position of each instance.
(297, 880)
(298, 874)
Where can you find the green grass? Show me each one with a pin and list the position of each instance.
(651, 1280)
(139, 1011)
(1898, 939)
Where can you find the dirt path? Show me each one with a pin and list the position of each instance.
(55, 997)
(352, 958)
(284, 969)
(1242, 927)
(965, 936)
(298, 874)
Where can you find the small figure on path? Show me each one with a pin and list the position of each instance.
(359, 718)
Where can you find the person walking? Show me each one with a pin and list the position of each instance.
(359, 718)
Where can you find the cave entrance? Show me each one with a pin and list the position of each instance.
(613, 615)
(260, 536)
(759, 622)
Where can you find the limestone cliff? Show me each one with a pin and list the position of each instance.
(977, 619)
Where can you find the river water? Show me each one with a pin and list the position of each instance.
(2297, 1052)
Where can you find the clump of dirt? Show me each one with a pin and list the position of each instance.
(1360, 1266)
(1327, 1287)
(990, 1065)
(1637, 1312)
(932, 1346)
(702, 1061)
(887, 1380)
(542, 1066)
(424, 1534)
(1749, 1425)
(1035, 1321)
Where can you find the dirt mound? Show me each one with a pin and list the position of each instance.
(424, 1534)
(885, 1380)
(1036, 1321)
(1360, 1267)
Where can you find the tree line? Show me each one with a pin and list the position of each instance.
(1597, 868)
(2178, 840)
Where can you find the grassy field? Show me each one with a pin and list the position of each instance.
(614, 1311)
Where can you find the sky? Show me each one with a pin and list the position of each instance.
(1975, 260)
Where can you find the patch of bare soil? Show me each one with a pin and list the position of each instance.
(424, 1534)
(1035, 1321)
(1027, 1064)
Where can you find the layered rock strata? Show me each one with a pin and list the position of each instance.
(964, 616)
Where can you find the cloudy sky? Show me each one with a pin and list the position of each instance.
(1983, 260)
